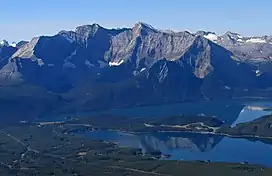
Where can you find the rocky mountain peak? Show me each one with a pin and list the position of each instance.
(21, 43)
(202, 33)
(143, 28)
(27, 50)
(4, 43)
(88, 30)
(153, 64)
(232, 36)
(208, 35)
(6, 52)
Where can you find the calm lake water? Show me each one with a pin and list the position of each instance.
(252, 111)
(184, 146)
(231, 112)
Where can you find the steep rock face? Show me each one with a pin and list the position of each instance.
(173, 81)
(143, 45)
(253, 50)
(199, 58)
(57, 62)
(21, 44)
(40, 62)
(7, 70)
(93, 41)
(5, 53)
(4, 43)
(97, 67)
(209, 61)
(63, 59)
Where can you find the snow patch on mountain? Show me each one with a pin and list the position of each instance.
(116, 63)
(239, 36)
(141, 25)
(13, 44)
(258, 73)
(212, 37)
(143, 69)
(4, 43)
(255, 40)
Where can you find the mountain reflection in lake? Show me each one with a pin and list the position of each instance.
(186, 146)
(189, 146)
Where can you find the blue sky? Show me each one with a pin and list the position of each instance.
(24, 19)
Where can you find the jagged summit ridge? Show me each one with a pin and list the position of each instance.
(236, 37)
(118, 45)
(150, 62)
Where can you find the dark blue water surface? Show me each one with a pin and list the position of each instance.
(184, 146)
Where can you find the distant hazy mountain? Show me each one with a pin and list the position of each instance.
(103, 68)
(250, 49)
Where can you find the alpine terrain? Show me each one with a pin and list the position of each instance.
(97, 68)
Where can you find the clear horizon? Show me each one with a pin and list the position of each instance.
(23, 20)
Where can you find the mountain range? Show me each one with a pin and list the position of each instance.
(93, 67)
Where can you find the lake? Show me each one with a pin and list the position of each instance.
(185, 146)
(229, 111)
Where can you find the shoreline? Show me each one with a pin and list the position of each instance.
(146, 132)
(198, 132)
(151, 105)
